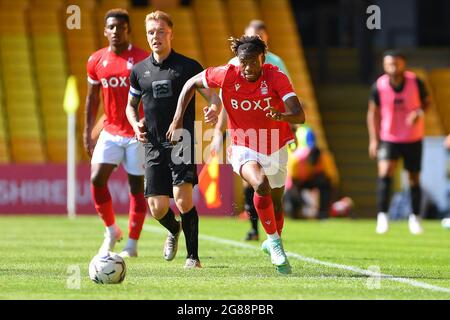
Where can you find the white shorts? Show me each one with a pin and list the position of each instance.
(116, 149)
(274, 165)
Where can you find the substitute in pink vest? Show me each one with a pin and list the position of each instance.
(395, 122)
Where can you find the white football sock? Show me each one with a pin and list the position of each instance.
(273, 236)
(131, 244)
(111, 230)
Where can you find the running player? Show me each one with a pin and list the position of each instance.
(396, 129)
(158, 80)
(260, 103)
(109, 69)
(254, 28)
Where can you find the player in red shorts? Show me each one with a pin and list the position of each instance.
(260, 104)
(109, 69)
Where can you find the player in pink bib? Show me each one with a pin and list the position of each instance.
(396, 128)
(260, 103)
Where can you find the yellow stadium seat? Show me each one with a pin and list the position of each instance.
(26, 125)
(213, 31)
(12, 20)
(440, 83)
(47, 4)
(164, 4)
(441, 75)
(83, 4)
(23, 121)
(44, 21)
(57, 150)
(114, 4)
(433, 125)
(240, 13)
(4, 145)
(14, 4)
(27, 151)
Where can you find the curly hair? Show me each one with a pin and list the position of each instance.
(252, 44)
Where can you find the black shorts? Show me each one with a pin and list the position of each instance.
(410, 152)
(161, 173)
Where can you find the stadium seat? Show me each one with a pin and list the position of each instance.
(80, 45)
(433, 124)
(16, 5)
(23, 121)
(27, 150)
(114, 4)
(51, 75)
(440, 83)
(5, 156)
(164, 4)
(47, 4)
(12, 21)
(240, 13)
(213, 31)
(83, 4)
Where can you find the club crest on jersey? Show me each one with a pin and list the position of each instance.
(130, 63)
(237, 86)
(105, 63)
(264, 88)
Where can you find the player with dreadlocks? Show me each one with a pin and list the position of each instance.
(260, 103)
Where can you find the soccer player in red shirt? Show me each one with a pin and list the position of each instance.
(260, 104)
(109, 69)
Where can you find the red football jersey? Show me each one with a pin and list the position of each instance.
(112, 72)
(245, 102)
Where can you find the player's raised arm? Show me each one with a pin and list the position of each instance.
(186, 95)
(90, 115)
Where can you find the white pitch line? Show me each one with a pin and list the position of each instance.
(297, 256)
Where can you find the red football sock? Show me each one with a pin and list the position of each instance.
(264, 208)
(279, 217)
(103, 204)
(138, 209)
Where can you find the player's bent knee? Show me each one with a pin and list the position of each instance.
(158, 208)
(97, 180)
(262, 186)
(184, 205)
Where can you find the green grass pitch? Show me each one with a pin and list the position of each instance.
(40, 253)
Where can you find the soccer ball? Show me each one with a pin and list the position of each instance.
(107, 269)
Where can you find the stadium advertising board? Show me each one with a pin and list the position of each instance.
(42, 189)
